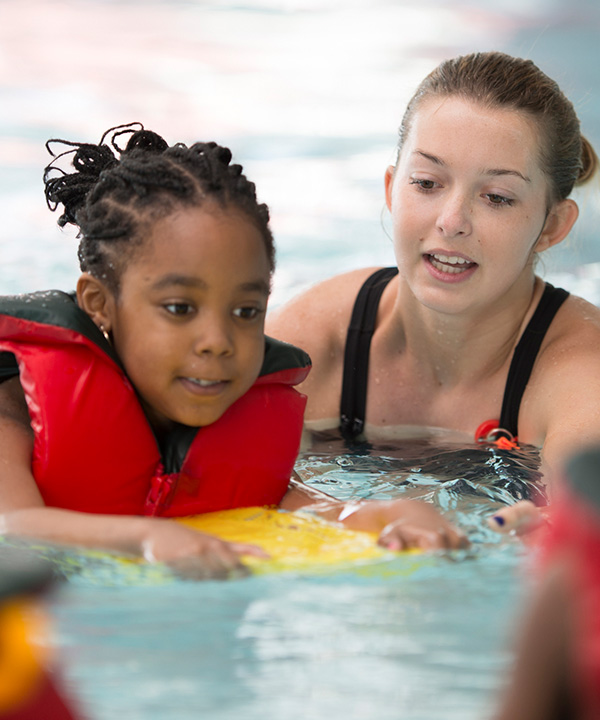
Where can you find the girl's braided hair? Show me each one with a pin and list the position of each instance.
(115, 193)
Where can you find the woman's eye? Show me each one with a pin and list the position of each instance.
(178, 309)
(246, 313)
(498, 199)
(423, 184)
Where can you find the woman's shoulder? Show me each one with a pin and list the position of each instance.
(562, 399)
(576, 329)
(571, 357)
(319, 316)
(330, 291)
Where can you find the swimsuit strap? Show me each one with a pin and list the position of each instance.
(358, 344)
(526, 353)
(356, 356)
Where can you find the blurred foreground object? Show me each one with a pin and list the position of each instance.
(27, 685)
(557, 668)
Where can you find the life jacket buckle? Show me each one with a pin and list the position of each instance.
(161, 488)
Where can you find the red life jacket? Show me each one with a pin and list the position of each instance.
(94, 450)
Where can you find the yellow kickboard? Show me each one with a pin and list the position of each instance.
(294, 540)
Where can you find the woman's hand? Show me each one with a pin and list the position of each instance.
(401, 524)
(194, 554)
(405, 524)
(523, 518)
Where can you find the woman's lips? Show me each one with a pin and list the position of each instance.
(449, 267)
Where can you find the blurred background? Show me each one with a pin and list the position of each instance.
(307, 93)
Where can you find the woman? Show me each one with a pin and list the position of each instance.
(489, 151)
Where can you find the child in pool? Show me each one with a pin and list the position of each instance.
(176, 258)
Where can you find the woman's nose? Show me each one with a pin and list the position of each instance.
(454, 219)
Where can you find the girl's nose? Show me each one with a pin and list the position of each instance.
(454, 219)
(213, 337)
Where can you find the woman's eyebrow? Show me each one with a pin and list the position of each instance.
(505, 171)
(432, 158)
(491, 171)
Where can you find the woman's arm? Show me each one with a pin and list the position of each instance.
(401, 524)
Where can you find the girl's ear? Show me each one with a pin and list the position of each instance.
(95, 299)
(561, 219)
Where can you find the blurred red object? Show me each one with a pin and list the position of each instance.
(29, 688)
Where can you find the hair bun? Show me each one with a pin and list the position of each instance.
(93, 159)
(589, 162)
(147, 141)
(222, 154)
(71, 189)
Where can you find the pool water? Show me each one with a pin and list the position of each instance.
(308, 93)
(414, 636)
(348, 645)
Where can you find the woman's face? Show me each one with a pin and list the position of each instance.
(468, 201)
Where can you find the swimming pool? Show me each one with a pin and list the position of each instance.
(414, 637)
(309, 95)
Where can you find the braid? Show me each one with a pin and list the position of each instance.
(71, 189)
(116, 192)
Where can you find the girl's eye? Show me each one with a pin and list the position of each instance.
(498, 200)
(246, 313)
(178, 309)
(424, 185)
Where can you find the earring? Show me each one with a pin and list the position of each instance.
(106, 335)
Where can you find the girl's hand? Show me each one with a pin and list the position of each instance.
(194, 554)
(405, 524)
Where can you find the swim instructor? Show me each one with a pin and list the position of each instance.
(462, 334)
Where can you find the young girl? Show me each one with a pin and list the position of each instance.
(462, 334)
(154, 393)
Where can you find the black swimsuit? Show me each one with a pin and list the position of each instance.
(358, 344)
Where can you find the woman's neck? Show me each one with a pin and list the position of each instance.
(464, 347)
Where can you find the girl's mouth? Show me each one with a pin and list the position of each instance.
(202, 386)
(204, 383)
